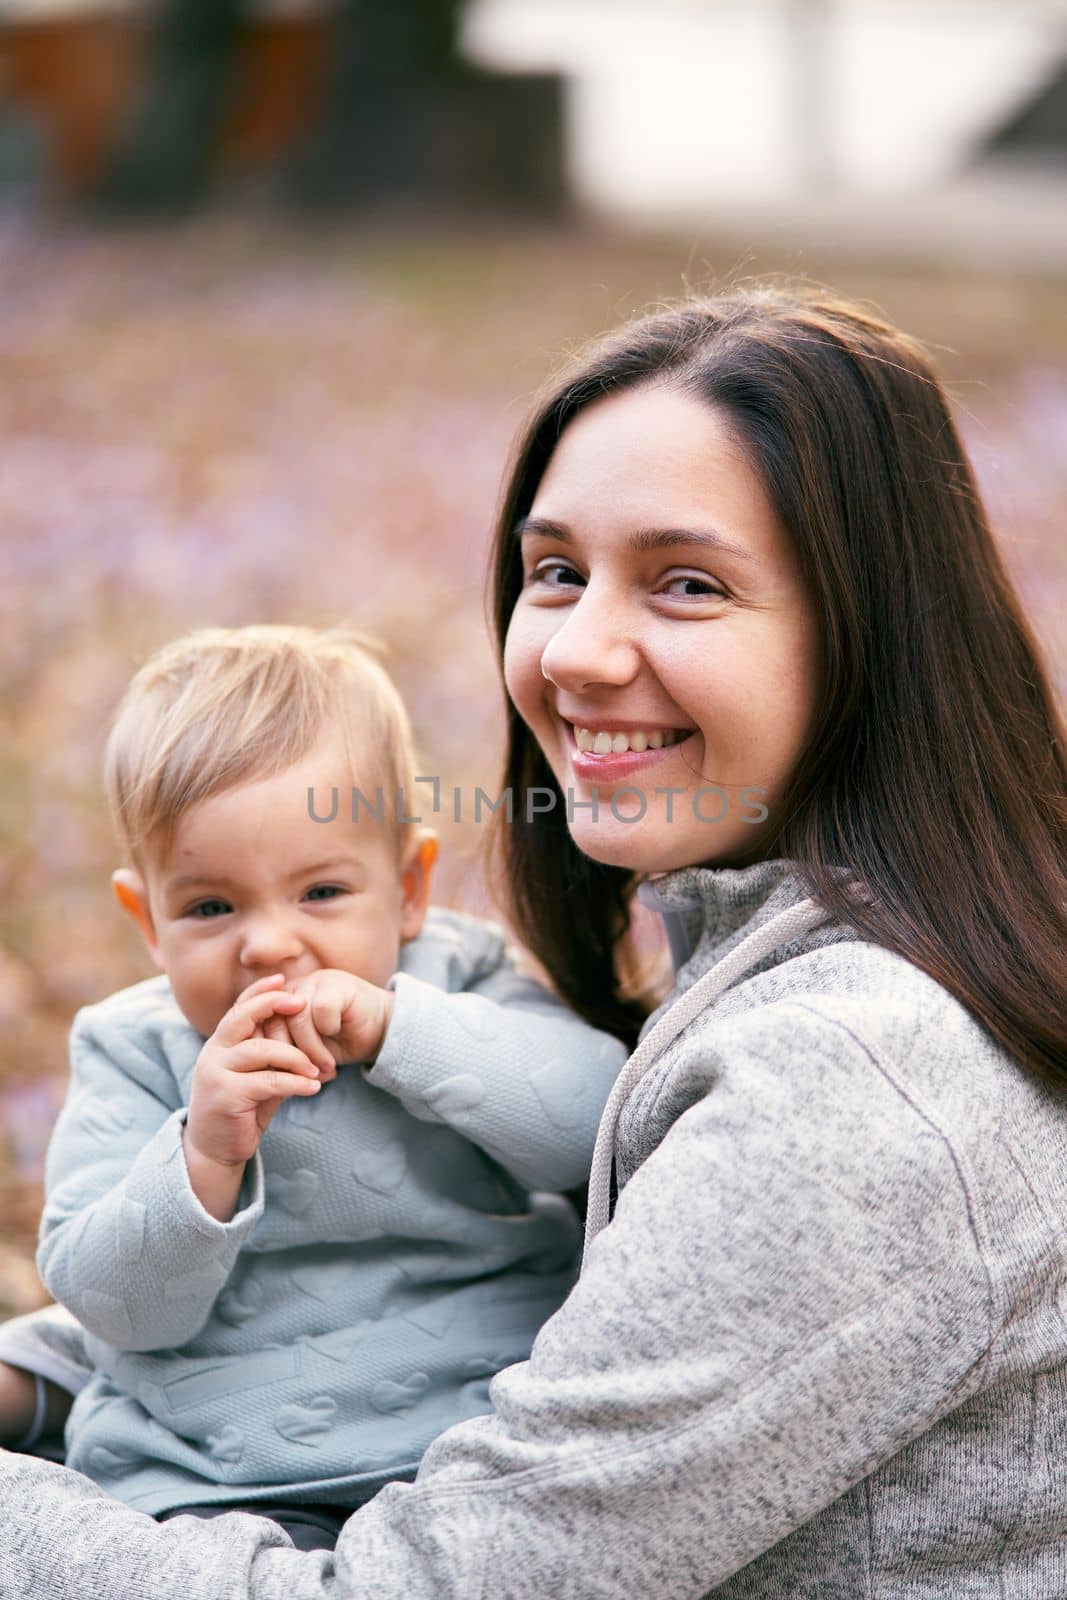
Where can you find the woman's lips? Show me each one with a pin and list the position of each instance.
(616, 768)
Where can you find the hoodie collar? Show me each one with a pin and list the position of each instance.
(714, 907)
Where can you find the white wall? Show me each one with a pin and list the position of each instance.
(916, 89)
(674, 105)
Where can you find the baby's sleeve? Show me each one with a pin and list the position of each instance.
(47, 1342)
(125, 1244)
(505, 1063)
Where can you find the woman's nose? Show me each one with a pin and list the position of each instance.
(594, 644)
(267, 940)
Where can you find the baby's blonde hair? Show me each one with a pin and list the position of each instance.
(225, 706)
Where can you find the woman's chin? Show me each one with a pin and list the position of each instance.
(659, 844)
(652, 850)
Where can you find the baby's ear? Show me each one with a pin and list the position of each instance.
(415, 884)
(131, 892)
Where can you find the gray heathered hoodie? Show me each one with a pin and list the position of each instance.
(819, 1354)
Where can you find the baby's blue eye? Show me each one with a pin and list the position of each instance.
(324, 891)
(208, 909)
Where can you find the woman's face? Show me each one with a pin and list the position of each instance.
(663, 649)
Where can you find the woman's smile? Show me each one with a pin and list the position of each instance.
(603, 751)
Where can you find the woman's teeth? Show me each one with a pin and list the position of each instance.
(617, 744)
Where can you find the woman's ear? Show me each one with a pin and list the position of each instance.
(415, 884)
(131, 892)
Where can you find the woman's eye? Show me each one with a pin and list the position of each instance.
(688, 586)
(556, 574)
(324, 891)
(207, 909)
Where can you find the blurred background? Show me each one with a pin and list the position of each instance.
(278, 282)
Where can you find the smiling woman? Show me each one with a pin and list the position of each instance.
(648, 651)
(841, 634)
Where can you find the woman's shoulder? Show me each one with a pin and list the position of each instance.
(891, 1011)
(814, 1001)
(846, 1081)
(841, 1021)
(852, 1008)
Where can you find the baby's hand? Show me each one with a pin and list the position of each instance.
(242, 1076)
(345, 1019)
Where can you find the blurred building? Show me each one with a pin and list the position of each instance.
(678, 105)
(149, 107)
(71, 71)
(690, 114)
(916, 126)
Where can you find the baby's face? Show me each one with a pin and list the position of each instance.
(252, 885)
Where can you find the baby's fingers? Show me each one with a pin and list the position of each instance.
(271, 1084)
(308, 1035)
(277, 1028)
(250, 1011)
(252, 1055)
(273, 981)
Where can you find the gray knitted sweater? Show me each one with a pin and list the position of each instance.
(819, 1354)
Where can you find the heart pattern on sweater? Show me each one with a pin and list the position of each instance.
(202, 1283)
(432, 1264)
(307, 1424)
(476, 1018)
(105, 1463)
(340, 1345)
(382, 1169)
(301, 1112)
(226, 1445)
(434, 1317)
(130, 1222)
(397, 1398)
(561, 1091)
(486, 1366)
(106, 1316)
(296, 1194)
(456, 1095)
(317, 1282)
(239, 1305)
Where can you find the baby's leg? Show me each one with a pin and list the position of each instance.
(18, 1399)
(31, 1408)
(42, 1366)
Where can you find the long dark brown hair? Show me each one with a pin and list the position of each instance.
(936, 769)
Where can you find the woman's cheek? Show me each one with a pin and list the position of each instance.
(522, 665)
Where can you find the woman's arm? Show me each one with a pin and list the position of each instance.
(791, 1290)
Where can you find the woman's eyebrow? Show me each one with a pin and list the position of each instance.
(646, 539)
(643, 540)
(541, 525)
